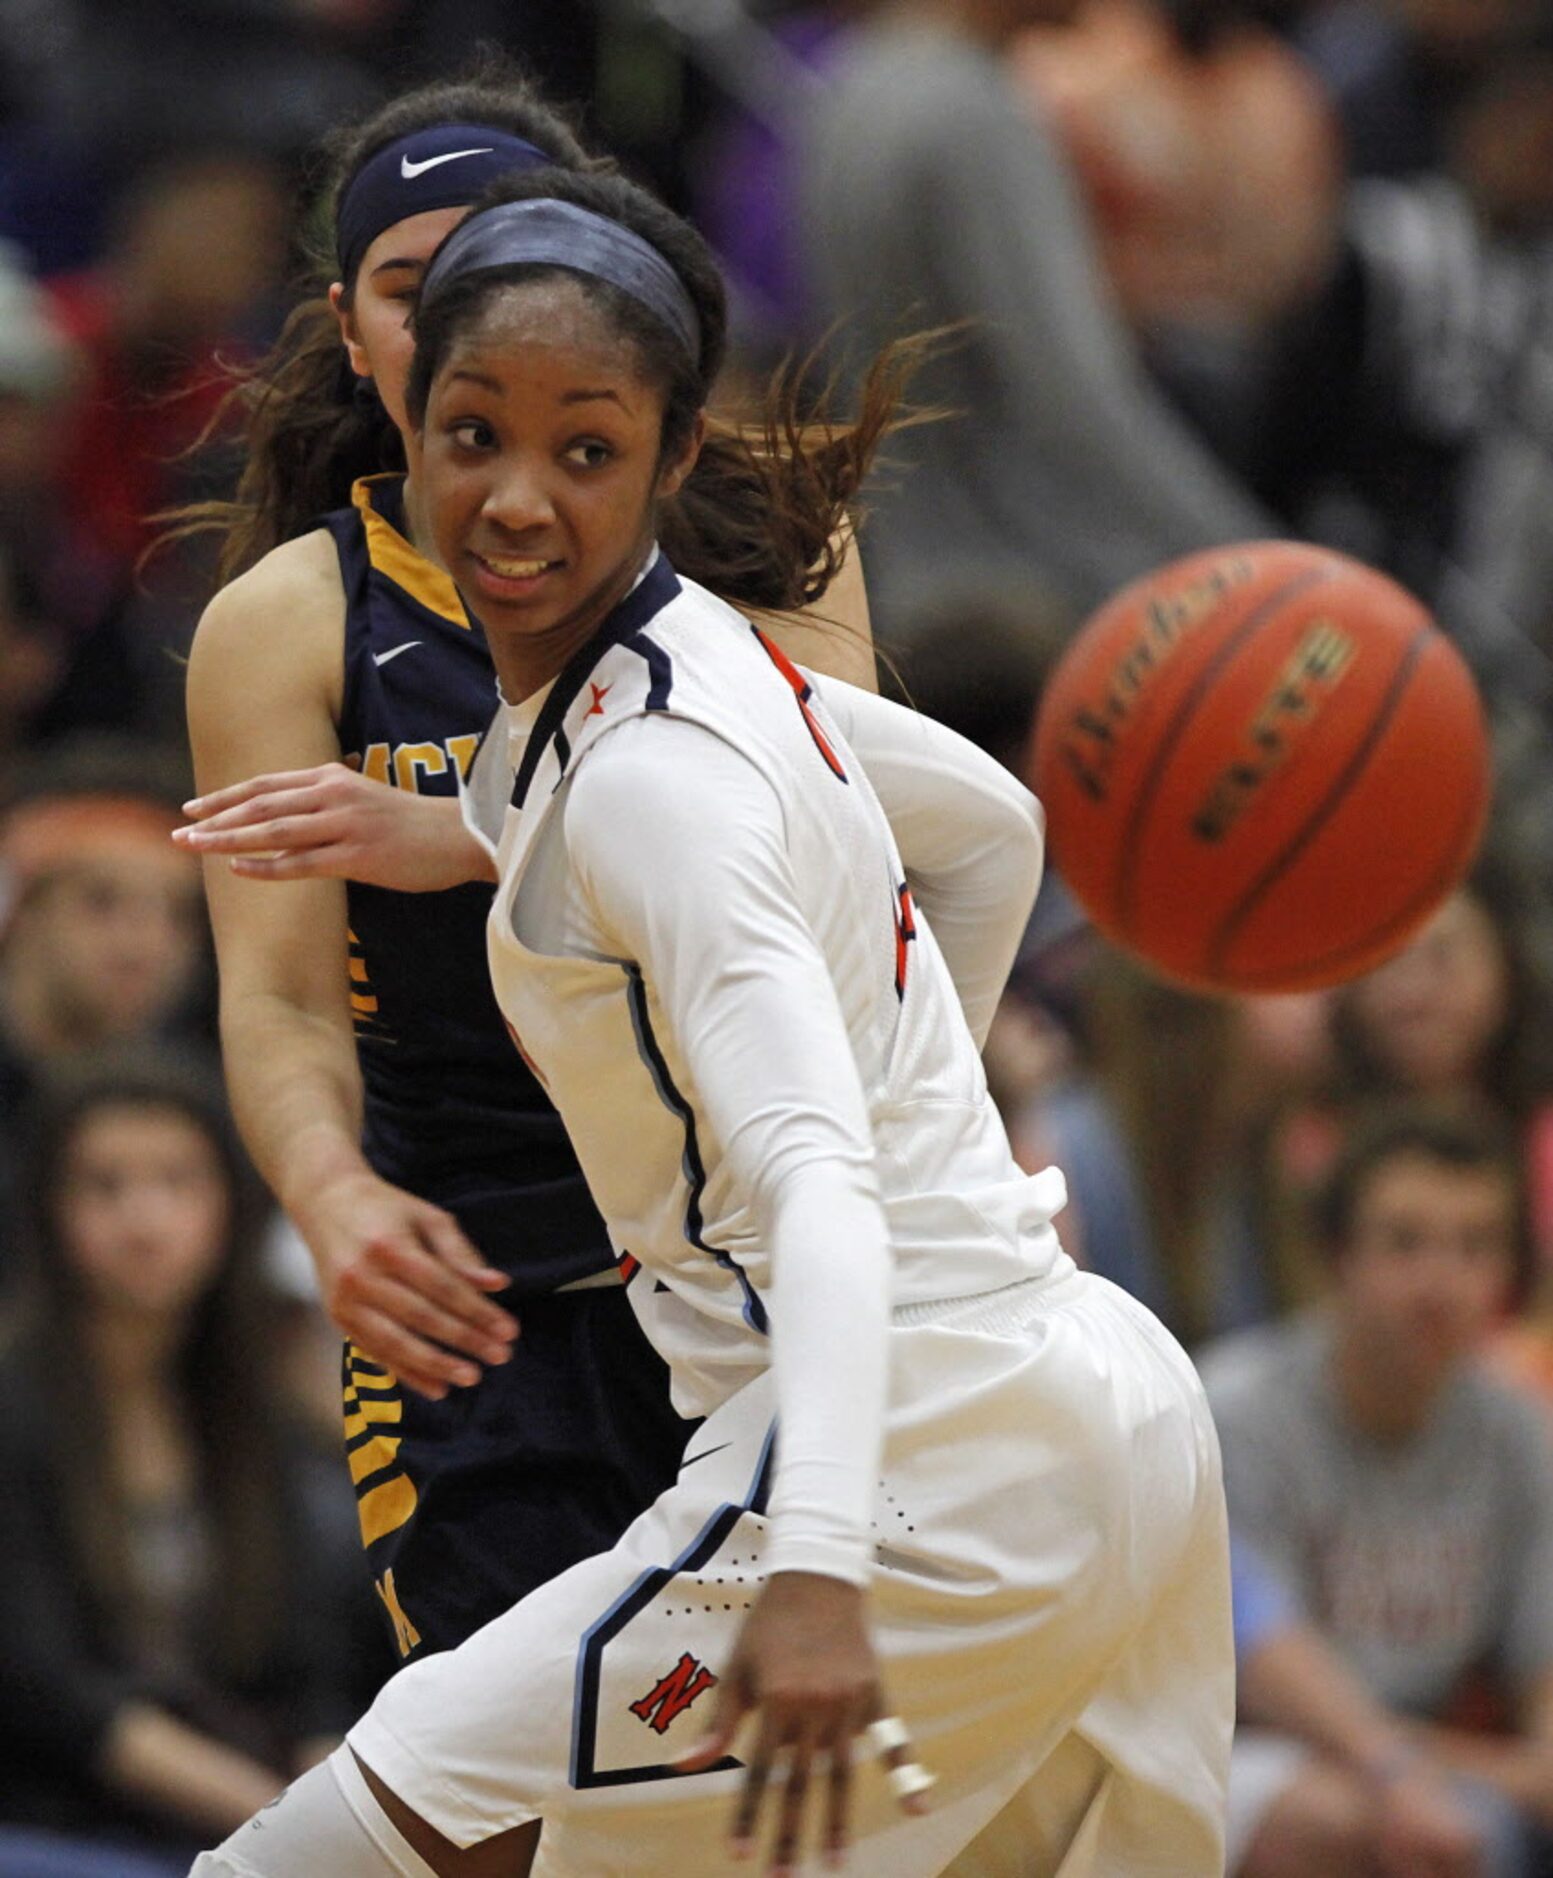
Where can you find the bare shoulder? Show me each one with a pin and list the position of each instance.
(291, 598)
(267, 664)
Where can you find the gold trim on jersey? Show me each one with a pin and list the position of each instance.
(364, 1011)
(385, 1494)
(391, 554)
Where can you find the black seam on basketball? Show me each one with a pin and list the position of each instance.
(1416, 910)
(1229, 927)
(1175, 729)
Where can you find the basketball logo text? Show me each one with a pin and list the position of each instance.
(1090, 746)
(672, 1694)
(1308, 678)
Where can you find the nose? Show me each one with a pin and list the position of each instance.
(519, 500)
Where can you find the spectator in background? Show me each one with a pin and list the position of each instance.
(65, 651)
(1398, 68)
(931, 196)
(1464, 1010)
(1401, 1496)
(1210, 162)
(193, 262)
(101, 921)
(176, 1625)
(1183, 1187)
(1398, 1816)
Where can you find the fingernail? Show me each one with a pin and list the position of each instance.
(195, 802)
(466, 1375)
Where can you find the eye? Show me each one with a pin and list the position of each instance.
(472, 433)
(589, 453)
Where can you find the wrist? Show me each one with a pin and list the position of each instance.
(321, 1175)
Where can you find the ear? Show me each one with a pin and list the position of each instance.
(350, 337)
(673, 474)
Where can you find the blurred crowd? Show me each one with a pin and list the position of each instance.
(1215, 269)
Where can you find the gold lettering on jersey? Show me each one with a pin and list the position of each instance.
(1313, 670)
(373, 765)
(462, 750)
(403, 764)
(405, 1633)
(1093, 731)
(411, 757)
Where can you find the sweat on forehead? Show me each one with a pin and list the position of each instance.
(553, 309)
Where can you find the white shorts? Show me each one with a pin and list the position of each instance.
(1051, 1564)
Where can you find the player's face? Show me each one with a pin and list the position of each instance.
(541, 472)
(1431, 1014)
(376, 324)
(142, 1210)
(1429, 1263)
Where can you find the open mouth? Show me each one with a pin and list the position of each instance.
(514, 567)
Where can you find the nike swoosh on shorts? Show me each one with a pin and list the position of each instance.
(382, 658)
(409, 170)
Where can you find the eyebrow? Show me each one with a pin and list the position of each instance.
(489, 383)
(400, 261)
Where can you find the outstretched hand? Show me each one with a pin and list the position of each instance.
(804, 1668)
(334, 823)
(400, 1279)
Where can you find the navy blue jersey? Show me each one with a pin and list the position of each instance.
(469, 1503)
(452, 1111)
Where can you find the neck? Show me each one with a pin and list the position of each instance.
(1376, 1398)
(418, 524)
(134, 1352)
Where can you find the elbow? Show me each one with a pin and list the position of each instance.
(1026, 839)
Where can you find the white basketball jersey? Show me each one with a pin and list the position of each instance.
(962, 1217)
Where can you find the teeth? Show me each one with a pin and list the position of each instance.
(515, 570)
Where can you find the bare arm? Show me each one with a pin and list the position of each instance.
(1293, 1682)
(834, 636)
(264, 677)
(1519, 1765)
(159, 1761)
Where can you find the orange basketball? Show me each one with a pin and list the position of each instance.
(1263, 766)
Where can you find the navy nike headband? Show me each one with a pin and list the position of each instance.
(546, 232)
(444, 167)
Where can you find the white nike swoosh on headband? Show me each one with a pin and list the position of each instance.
(409, 170)
(382, 658)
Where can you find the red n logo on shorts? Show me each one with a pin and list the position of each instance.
(673, 1694)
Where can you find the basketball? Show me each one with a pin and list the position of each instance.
(1263, 766)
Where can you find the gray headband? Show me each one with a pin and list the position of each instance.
(545, 232)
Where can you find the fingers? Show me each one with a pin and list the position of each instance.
(732, 1704)
(418, 1365)
(909, 1780)
(447, 1241)
(419, 1295)
(838, 1804)
(795, 1790)
(218, 801)
(412, 1310)
(815, 1748)
(757, 1776)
